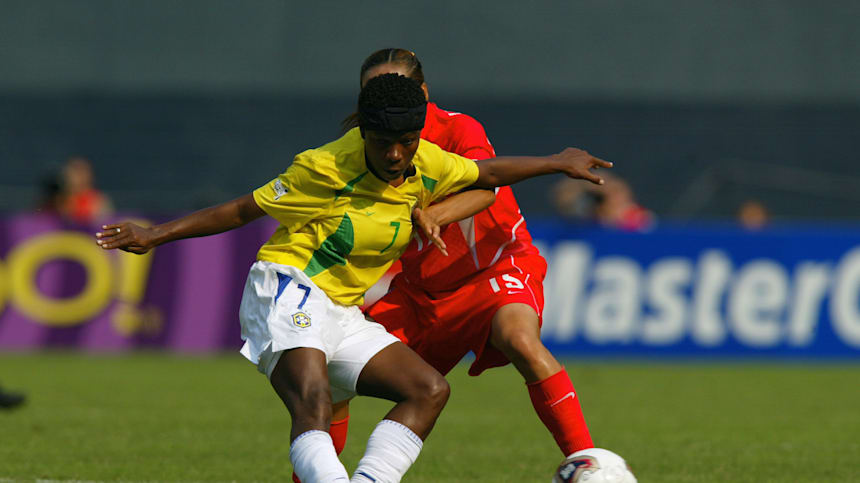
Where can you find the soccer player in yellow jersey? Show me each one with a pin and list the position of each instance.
(345, 212)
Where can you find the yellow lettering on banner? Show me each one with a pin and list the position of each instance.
(4, 287)
(129, 317)
(28, 257)
(128, 320)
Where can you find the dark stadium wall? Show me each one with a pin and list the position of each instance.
(698, 105)
(749, 51)
(169, 153)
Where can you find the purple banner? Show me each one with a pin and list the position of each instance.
(59, 289)
(718, 290)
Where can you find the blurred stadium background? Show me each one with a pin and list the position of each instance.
(731, 247)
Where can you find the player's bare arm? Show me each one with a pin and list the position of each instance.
(461, 206)
(506, 170)
(134, 238)
(454, 208)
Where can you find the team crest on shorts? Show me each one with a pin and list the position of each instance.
(301, 319)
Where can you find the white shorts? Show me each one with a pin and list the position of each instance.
(282, 309)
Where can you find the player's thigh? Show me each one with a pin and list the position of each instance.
(516, 334)
(513, 323)
(282, 309)
(363, 339)
(517, 296)
(397, 373)
(300, 378)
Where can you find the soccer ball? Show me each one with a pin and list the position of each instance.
(593, 465)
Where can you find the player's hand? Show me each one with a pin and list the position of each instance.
(127, 237)
(577, 163)
(430, 228)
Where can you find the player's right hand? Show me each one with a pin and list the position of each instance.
(578, 164)
(430, 228)
(127, 237)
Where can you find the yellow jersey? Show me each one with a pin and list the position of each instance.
(342, 225)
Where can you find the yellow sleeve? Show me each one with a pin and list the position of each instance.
(296, 196)
(456, 174)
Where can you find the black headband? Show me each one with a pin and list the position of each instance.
(396, 119)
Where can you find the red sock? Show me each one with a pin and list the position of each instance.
(558, 407)
(337, 430)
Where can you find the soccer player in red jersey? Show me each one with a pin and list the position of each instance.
(486, 295)
(299, 313)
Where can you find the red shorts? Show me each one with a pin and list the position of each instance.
(442, 327)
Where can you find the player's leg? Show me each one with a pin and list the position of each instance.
(337, 429)
(395, 312)
(287, 324)
(339, 424)
(397, 374)
(413, 316)
(301, 380)
(516, 333)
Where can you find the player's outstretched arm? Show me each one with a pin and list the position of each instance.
(133, 238)
(461, 206)
(454, 208)
(506, 170)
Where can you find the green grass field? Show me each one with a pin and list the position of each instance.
(154, 417)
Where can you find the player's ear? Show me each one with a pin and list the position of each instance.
(426, 91)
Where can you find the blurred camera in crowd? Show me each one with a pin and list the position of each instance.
(612, 204)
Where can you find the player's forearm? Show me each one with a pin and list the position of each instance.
(461, 206)
(506, 170)
(209, 221)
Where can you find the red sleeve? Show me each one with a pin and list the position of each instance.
(472, 141)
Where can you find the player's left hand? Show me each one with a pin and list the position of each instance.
(577, 163)
(128, 237)
(430, 228)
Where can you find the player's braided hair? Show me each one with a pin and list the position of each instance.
(390, 90)
(400, 57)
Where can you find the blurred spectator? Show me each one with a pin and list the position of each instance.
(81, 201)
(753, 215)
(9, 400)
(50, 193)
(612, 204)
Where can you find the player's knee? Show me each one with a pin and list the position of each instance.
(439, 392)
(516, 331)
(520, 344)
(310, 403)
(432, 389)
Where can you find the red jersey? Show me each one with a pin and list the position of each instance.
(85, 207)
(476, 242)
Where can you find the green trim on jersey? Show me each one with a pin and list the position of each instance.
(334, 249)
(429, 182)
(396, 225)
(345, 255)
(350, 186)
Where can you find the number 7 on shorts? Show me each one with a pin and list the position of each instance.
(283, 281)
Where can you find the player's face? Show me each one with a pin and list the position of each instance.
(389, 154)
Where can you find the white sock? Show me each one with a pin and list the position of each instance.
(315, 460)
(391, 450)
